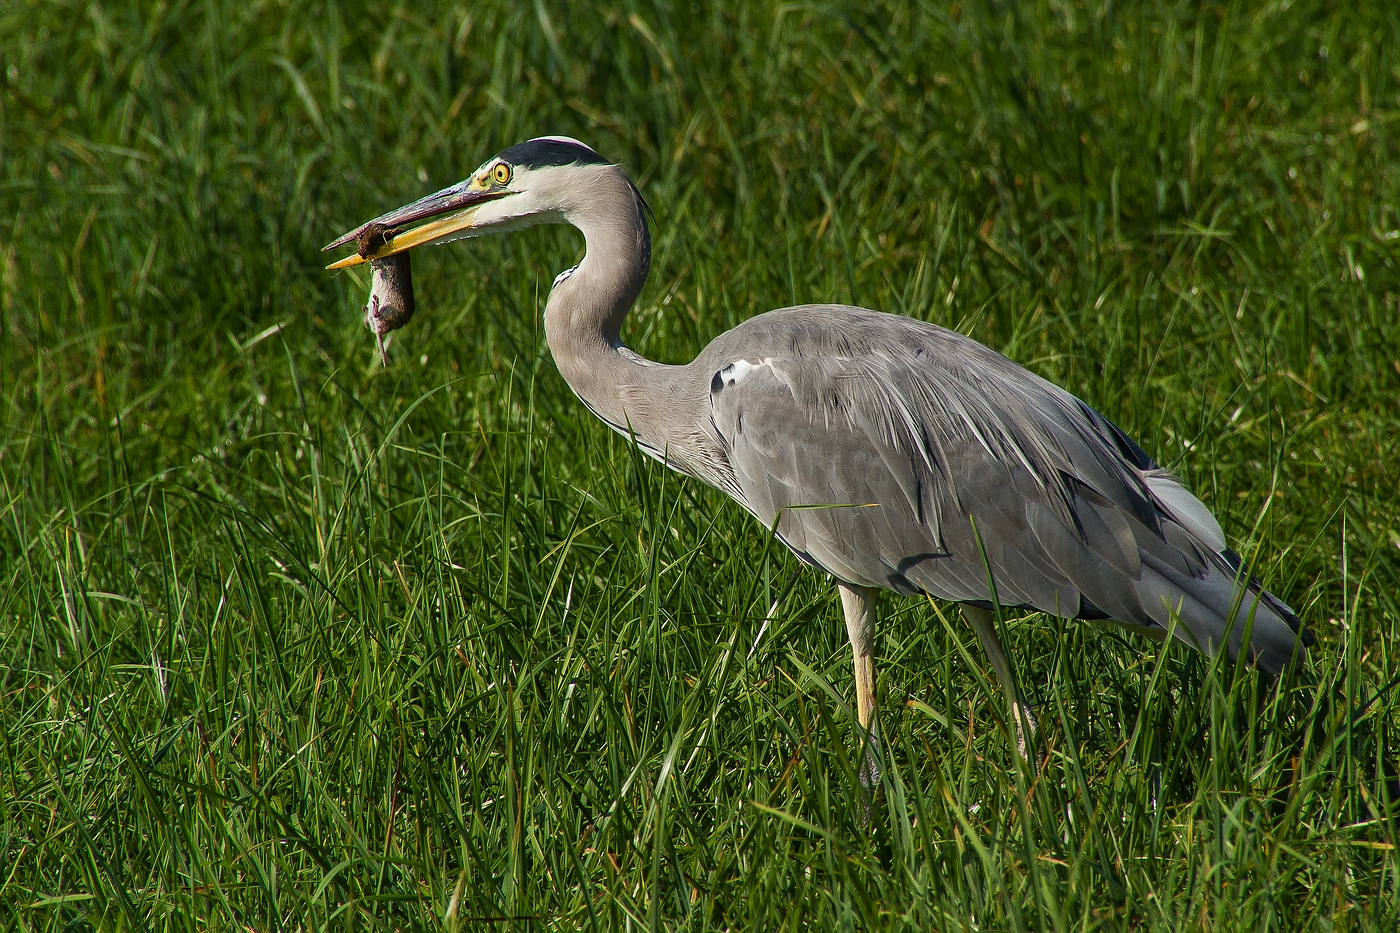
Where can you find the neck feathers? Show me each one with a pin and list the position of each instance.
(593, 300)
(583, 317)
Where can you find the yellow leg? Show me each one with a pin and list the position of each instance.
(984, 624)
(858, 604)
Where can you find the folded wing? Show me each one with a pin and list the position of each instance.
(885, 454)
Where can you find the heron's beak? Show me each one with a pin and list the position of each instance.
(460, 202)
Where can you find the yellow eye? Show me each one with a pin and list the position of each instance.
(501, 174)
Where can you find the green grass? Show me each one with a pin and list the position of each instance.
(289, 640)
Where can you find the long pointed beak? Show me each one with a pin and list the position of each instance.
(460, 202)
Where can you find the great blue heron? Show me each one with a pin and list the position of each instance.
(891, 453)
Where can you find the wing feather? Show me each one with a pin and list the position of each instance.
(876, 442)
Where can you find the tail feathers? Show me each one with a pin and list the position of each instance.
(1203, 603)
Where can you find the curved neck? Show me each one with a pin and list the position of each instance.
(584, 314)
(596, 295)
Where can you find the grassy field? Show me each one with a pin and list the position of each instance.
(291, 640)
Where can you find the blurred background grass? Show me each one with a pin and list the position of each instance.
(290, 640)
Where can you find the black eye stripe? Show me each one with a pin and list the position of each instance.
(538, 153)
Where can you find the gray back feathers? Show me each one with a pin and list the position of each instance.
(890, 446)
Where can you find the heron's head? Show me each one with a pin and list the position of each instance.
(540, 181)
